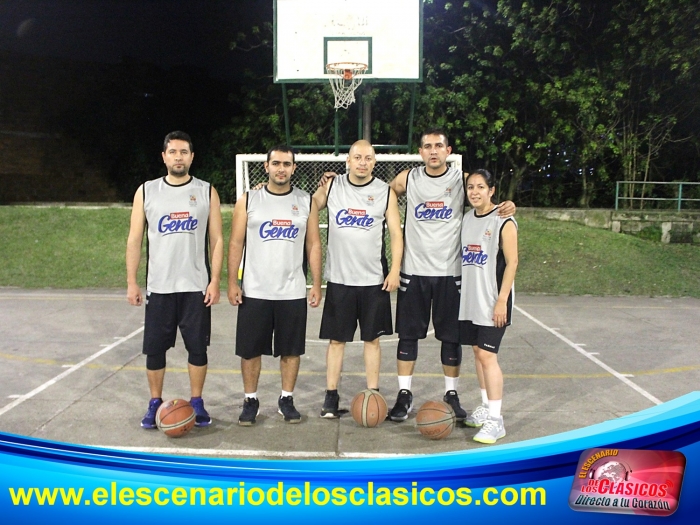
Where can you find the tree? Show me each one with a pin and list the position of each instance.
(558, 98)
(655, 55)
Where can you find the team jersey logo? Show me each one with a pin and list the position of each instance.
(177, 222)
(370, 200)
(295, 210)
(487, 235)
(193, 200)
(472, 255)
(433, 211)
(353, 218)
(278, 230)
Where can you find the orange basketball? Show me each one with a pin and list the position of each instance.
(175, 418)
(435, 419)
(368, 408)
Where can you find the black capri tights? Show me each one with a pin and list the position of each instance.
(157, 361)
(450, 353)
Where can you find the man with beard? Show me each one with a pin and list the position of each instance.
(182, 217)
(278, 227)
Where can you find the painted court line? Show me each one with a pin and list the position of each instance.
(72, 369)
(621, 377)
(252, 453)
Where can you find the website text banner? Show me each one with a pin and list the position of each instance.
(42, 481)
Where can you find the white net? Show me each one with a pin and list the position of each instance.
(344, 78)
(250, 171)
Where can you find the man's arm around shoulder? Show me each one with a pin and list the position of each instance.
(398, 184)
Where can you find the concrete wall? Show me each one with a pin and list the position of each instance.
(664, 226)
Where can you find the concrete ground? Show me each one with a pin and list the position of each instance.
(72, 371)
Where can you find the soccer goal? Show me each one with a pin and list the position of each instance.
(250, 169)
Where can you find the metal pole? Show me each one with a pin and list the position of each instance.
(410, 120)
(286, 115)
(680, 195)
(337, 139)
(367, 115)
(360, 104)
(617, 193)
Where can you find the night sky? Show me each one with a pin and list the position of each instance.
(167, 33)
(105, 80)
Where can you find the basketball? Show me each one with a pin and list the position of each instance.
(368, 408)
(435, 419)
(175, 418)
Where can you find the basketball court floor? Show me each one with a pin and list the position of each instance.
(72, 371)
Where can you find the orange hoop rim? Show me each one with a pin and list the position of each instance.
(342, 68)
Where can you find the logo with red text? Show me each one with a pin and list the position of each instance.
(433, 211)
(177, 222)
(473, 255)
(620, 481)
(353, 218)
(278, 230)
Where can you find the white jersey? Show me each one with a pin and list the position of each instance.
(273, 263)
(356, 225)
(177, 220)
(434, 210)
(483, 264)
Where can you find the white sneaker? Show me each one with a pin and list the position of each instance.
(491, 431)
(478, 417)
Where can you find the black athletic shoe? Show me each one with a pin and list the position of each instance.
(452, 399)
(251, 408)
(286, 409)
(330, 405)
(404, 404)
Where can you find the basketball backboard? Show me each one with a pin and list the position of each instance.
(386, 35)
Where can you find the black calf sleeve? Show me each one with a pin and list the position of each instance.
(407, 350)
(155, 362)
(451, 354)
(197, 359)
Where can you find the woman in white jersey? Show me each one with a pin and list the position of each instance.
(489, 261)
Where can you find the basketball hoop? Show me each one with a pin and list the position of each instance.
(344, 80)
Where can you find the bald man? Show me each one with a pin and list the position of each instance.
(360, 208)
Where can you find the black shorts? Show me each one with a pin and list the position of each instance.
(258, 319)
(485, 337)
(166, 312)
(344, 306)
(416, 293)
